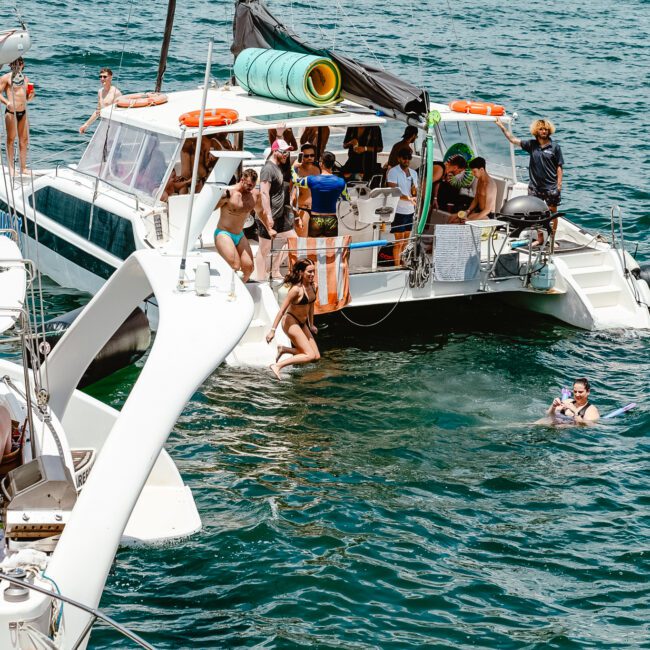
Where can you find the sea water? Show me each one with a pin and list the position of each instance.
(398, 494)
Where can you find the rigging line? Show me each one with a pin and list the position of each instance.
(458, 41)
(383, 318)
(361, 37)
(110, 116)
(417, 49)
(59, 152)
(40, 286)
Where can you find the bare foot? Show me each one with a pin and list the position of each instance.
(276, 371)
(280, 353)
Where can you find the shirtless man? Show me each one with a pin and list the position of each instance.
(106, 96)
(15, 92)
(483, 205)
(306, 167)
(236, 204)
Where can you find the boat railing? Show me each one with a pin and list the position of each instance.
(95, 614)
(616, 215)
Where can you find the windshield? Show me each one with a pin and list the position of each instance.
(132, 159)
(483, 138)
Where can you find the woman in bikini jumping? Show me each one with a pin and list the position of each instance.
(298, 312)
(579, 408)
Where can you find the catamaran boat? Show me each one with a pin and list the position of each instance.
(92, 215)
(82, 477)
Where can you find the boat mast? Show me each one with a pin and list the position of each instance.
(162, 64)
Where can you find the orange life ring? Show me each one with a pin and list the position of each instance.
(141, 100)
(478, 108)
(213, 117)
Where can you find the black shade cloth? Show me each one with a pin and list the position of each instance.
(255, 26)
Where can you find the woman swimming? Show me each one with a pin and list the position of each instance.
(579, 408)
(298, 312)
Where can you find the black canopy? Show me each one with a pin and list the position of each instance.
(255, 26)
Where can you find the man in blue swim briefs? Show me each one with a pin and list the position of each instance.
(236, 203)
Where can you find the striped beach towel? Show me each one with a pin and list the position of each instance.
(330, 256)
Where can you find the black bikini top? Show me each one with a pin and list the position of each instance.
(581, 412)
(305, 300)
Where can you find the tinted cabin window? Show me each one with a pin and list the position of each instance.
(112, 233)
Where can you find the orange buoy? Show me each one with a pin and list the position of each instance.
(213, 117)
(141, 100)
(477, 108)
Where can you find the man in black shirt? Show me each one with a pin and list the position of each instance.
(275, 219)
(546, 161)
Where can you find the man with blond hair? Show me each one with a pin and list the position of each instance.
(546, 161)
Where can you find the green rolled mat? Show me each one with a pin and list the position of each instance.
(288, 76)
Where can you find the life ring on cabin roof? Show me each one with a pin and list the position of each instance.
(213, 117)
(141, 100)
(477, 108)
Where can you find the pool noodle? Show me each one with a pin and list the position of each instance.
(623, 409)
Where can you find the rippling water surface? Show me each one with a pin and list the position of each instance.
(398, 494)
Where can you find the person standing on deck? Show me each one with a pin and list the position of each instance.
(106, 96)
(301, 196)
(15, 92)
(326, 188)
(274, 218)
(406, 179)
(363, 144)
(236, 203)
(408, 139)
(546, 162)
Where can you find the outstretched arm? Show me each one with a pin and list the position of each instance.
(509, 136)
(94, 116)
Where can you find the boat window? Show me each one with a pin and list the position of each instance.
(99, 149)
(123, 160)
(452, 133)
(483, 138)
(490, 143)
(155, 160)
(129, 158)
(107, 230)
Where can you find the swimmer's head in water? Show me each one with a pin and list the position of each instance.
(581, 388)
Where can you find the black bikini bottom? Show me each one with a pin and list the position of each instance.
(19, 114)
